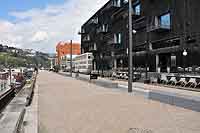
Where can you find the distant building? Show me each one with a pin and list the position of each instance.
(52, 61)
(63, 50)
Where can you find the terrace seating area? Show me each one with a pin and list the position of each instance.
(183, 78)
(124, 75)
(193, 70)
(180, 80)
(173, 80)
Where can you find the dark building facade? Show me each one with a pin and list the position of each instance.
(165, 29)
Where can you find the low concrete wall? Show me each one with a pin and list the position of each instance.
(11, 120)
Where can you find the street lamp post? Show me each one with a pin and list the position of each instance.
(130, 54)
(130, 50)
(184, 60)
(101, 56)
(71, 58)
(147, 49)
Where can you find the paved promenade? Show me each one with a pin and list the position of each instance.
(67, 105)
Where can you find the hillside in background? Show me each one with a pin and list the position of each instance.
(14, 57)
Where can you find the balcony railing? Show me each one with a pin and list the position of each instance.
(94, 21)
(93, 47)
(111, 41)
(86, 38)
(140, 25)
(82, 32)
(116, 3)
(159, 28)
(103, 29)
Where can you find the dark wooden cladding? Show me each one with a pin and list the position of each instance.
(110, 23)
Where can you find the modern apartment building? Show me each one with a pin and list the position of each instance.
(167, 34)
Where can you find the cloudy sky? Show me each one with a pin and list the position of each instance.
(40, 24)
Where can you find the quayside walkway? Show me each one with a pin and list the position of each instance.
(67, 105)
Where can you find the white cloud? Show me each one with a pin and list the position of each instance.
(40, 36)
(5, 26)
(42, 29)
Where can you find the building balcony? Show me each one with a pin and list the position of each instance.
(94, 21)
(82, 32)
(140, 25)
(122, 12)
(115, 3)
(93, 48)
(86, 39)
(112, 41)
(103, 29)
(135, 15)
(159, 28)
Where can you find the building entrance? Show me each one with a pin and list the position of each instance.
(164, 61)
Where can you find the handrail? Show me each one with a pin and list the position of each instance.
(19, 123)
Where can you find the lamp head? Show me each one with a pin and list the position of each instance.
(134, 31)
(185, 53)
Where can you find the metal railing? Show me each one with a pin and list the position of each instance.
(5, 98)
(158, 27)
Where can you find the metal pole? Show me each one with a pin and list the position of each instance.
(130, 54)
(71, 58)
(10, 74)
(147, 49)
(185, 33)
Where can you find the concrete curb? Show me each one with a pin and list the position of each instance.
(136, 91)
(191, 103)
(99, 82)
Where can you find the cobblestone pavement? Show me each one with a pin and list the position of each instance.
(67, 105)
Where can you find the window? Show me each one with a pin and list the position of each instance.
(165, 20)
(96, 20)
(88, 38)
(137, 9)
(125, 1)
(82, 30)
(95, 46)
(105, 27)
(117, 3)
(118, 38)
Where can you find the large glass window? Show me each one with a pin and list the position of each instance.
(118, 38)
(117, 3)
(165, 20)
(137, 9)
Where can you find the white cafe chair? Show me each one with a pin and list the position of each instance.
(172, 81)
(191, 83)
(163, 79)
(182, 82)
